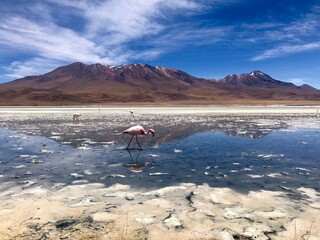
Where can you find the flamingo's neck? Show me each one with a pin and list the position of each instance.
(151, 131)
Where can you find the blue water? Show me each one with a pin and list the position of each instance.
(282, 159)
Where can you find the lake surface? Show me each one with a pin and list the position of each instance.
(244, 152)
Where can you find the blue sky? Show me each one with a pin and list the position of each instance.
(206, 38)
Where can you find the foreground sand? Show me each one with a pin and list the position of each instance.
(186, 211)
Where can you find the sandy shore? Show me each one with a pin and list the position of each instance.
(185, 211)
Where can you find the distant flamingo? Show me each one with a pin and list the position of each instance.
(137, 130)
(132, 115)
(76, 117)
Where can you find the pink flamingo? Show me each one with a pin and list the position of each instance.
(76, 117)
(137, 130)
(132, 115)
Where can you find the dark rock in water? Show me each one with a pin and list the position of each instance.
(61, 224)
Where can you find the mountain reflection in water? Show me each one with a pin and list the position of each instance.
(104, 129)
(243, 152)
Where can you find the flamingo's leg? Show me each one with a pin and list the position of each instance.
(138, 142)
(130, 142)
(130, 155)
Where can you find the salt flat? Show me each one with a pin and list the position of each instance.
(164, 110)
(209, 173)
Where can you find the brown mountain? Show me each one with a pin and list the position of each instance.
(79, 83)
(255, 78)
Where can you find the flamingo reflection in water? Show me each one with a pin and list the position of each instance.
(136, 166)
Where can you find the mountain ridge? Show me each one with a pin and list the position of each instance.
(78, 83)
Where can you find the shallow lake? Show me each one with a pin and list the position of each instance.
(244, 152)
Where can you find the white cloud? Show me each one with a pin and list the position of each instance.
(298, 81)
(120, 31)
(285, 50)
(297, 32)
(30, 67)
(182, 36)
(109, 29)
(48, 41)
(122, 20)
(299, 36)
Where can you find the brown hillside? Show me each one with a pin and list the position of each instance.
(79, 83)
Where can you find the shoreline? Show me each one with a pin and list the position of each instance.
(164, 110)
